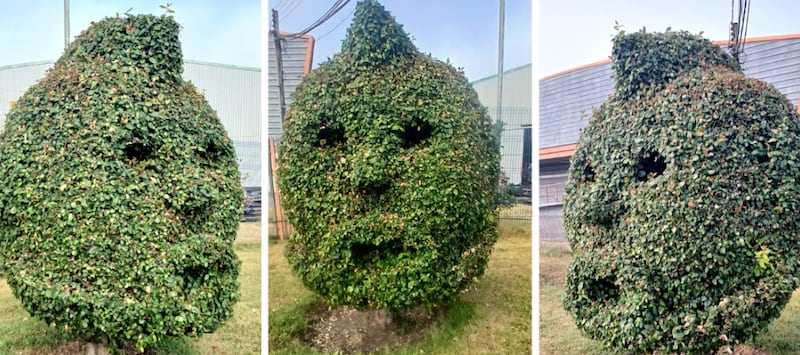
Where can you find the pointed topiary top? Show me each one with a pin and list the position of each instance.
(375, 38)
(643, 60)
(148, 43)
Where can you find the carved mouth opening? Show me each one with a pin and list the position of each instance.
(603, 290)
(364, 253)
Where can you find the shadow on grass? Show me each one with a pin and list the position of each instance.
(289, 328)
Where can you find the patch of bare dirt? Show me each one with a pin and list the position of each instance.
(81, 348)
(740, 350)
(345, 330)
(744, 350)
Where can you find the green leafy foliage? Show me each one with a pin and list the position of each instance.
(643, 60)
(120, 195)
(682, 203)
(388, 170)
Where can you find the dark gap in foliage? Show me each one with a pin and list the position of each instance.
(652, 166)
(365, 253)
(415, 134)
(211, 150)
(588, 173)
(329, 136)
(192, 212)
(603, 290)
(375, 189)
(194, 273)
(138, 151)
(761, 154)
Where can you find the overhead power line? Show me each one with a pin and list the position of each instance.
(337, 25)
(281, 5)
(290, 10)
(338, 5)
(739, 26)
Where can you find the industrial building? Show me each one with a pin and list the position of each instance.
(515, 114)
(233, 91)
(566, 100)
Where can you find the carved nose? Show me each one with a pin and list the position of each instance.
(371, 169)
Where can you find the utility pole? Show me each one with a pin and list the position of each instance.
(66, 23)
(500, 61)
(279, 62)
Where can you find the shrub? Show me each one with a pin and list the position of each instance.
(120, 192)
(682, 202)
(388, 171)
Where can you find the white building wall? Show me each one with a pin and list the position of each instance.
(515, 114)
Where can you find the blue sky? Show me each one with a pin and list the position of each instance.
(577, 32)
(466, 32)
(227, 32)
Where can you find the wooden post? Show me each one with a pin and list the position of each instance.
(279, 219)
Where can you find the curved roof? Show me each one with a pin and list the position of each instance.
(566, 98)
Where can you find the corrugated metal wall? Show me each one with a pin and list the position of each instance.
(296, 56)
(515, 113)
(565, 99)
(234, 92)
(15, 80)
(776, 62)
(296, 61)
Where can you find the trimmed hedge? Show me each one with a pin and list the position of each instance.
(120, 195)
(388, 170)
(682, 202)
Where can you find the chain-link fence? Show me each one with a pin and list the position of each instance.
(516, 162)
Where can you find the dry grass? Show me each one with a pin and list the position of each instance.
(20, 334)
(559, 335)
(494, 316)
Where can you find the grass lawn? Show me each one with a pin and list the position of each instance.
(492, 317)
(559, 335)
(21, 334)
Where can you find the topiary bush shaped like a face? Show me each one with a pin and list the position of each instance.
(388, 172)
(681, 208)
(121, 194)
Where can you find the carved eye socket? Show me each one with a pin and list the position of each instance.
(414, 134)
(651, 166)
(328, 136)
(588, 174)
(139, 148)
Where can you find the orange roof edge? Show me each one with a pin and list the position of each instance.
(719, 43)
(560, 151)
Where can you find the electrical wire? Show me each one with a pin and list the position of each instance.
(279, 5)
(337, 25)
(746, 20)
(338, 5)
(739, 34)
(289, 11)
